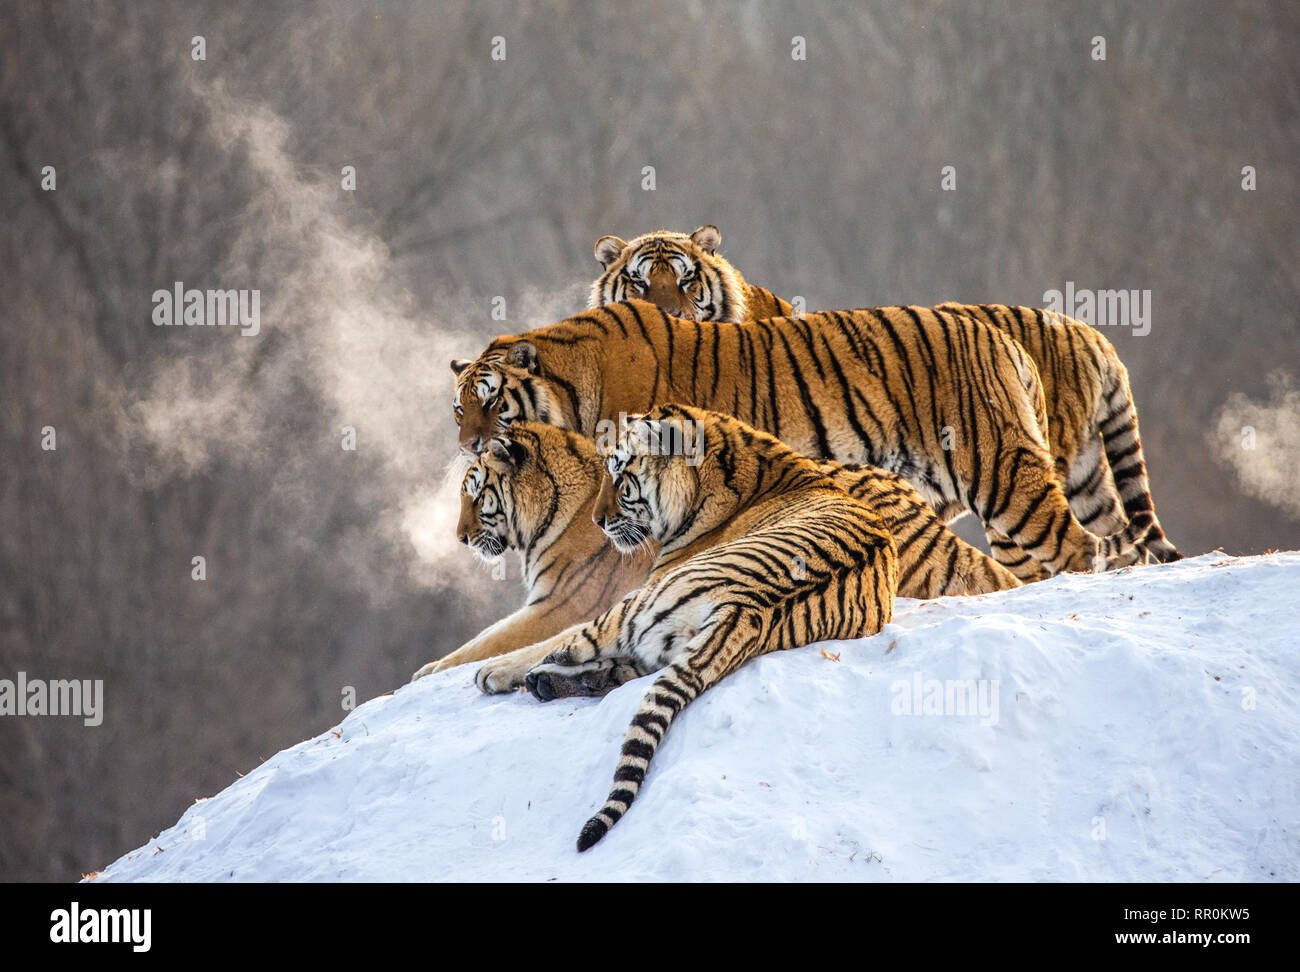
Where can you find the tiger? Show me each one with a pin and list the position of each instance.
(533, 493)
(532, 489)
(683, 274)
(759, 551)
(950, 404)
(1092, 420)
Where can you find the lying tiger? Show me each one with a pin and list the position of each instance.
(948, 403)
(723, 588)
(532, 491)
(1092, 422)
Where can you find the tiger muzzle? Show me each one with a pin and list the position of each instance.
(664, 291)
(466, 525)
(606, 507)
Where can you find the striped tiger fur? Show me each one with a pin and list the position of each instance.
(950, 404)
(1092, 420)
(759, 551)
(683, 274)
(1092, 423)
(932, 560)
(533, 493)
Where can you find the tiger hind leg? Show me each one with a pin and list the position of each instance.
(1032, 512)
(1122, 443)
(1024, 567)
(935, 562)
(1095, 502)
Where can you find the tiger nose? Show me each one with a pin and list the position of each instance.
(473, 446)
(598, 519)
(463, 538)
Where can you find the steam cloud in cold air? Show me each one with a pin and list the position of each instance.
(1260, 441)
(343, 344)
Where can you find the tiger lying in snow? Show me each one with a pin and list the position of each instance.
(723, 588)
(532, 491)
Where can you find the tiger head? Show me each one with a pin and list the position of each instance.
(653, 483)
(683, 275)
(501, 387)
(507, 492)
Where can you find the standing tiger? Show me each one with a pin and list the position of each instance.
(1092, 421)
(685, 275)
(948, 403)
(758, 551)
(532, 491)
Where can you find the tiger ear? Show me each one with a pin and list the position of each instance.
(523, 354)
(609, 249)
(511, 453)
(459, 364)
(707, 238)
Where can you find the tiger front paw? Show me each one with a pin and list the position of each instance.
(429, 669)
(502, 675)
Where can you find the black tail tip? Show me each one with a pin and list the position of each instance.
(592, 831)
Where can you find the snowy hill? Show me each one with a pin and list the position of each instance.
(1139, 725)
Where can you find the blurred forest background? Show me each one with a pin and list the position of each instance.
(328, 568)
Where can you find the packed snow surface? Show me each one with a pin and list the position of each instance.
(1140, 725)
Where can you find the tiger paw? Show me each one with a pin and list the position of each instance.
(429, 669)
(562, 658)
(540, 685)
(500, 675)
(593, 679)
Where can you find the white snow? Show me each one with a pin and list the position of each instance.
(1147, 730)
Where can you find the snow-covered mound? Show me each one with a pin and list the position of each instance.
(1138, 725)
